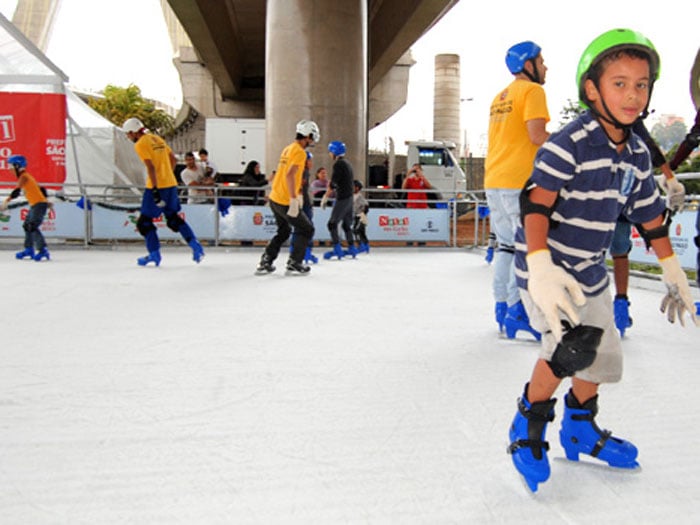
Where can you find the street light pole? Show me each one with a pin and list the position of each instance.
(465, 149)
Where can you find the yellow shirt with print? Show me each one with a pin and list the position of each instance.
(292, 155)
(152, 147)
(511, 154)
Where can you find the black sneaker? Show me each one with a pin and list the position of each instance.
(294, 267)
(265, 266)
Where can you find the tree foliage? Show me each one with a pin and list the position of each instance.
(668, 136)
(119, 104)
(569, 112)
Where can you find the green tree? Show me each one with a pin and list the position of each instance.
(668, 136)
(569, 112)
(119, 104)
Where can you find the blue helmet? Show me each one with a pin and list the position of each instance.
(337, 148)
(519, 54)
(18, 161)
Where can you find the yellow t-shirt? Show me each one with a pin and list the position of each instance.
(31, 189)
(511, 154)
(292, 155)
(152, 147)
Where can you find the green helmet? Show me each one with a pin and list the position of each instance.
(609, 41)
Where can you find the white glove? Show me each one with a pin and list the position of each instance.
(551, 289)
(324, 201)
(675, 193)
(363, 218)
(677, 300)
(294, 205)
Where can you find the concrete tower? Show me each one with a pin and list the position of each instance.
(446, 101)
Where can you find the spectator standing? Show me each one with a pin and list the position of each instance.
(319, 185)
(416, 183)
(252, 178)
(193, 177)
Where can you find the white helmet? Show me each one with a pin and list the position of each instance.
(132, 124)
(309, 127)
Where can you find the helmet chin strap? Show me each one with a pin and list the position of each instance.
(534, 77)
(610, 119)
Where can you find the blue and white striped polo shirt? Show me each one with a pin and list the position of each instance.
(596, 185)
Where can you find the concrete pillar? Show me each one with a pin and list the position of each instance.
(316, 69)
(446, 99)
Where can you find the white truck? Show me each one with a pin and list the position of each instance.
(439, 165)
(233, 142)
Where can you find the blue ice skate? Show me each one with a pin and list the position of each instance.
(42, 254)
(622, 314)
(352, 251)
(337, 251)
(363, 248)
(153, 257)
(517, 319)
(579, 434)
(27, 252)
(197, 251)
(501, 310)
(528, 447)
(310, 257)
(489, 255)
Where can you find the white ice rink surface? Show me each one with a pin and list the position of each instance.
(372, 391)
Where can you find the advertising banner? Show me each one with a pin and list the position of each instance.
(681, 232)
(63, 220)
(110, 223)
(34, 125)
(257, 223)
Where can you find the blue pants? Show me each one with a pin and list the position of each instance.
(32, 234)
(504, 209)
(150, 211)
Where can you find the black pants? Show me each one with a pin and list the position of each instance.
(341, 213)
(303, 228)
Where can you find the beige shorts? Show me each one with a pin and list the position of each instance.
(598, 311)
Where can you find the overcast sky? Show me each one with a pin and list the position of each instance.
(95, 53)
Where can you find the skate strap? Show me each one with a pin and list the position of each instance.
(600, 444)
(534, 444)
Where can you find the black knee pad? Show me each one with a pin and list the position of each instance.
(28, 226)
(576, 350)
(174, 222)
(144, 225)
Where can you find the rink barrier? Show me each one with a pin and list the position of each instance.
(99, 213)
(111, 213)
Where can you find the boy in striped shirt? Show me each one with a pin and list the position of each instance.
(585, 177)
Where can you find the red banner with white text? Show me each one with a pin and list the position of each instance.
(34, 125)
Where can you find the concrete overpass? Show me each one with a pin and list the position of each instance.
(342, 63)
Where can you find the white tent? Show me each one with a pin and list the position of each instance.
(97, 152)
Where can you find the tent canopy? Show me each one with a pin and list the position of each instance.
(97, 152)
